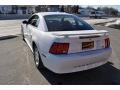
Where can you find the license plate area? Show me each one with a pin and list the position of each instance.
(87, 45)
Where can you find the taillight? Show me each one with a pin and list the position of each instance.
(107, 42)
(59, 48)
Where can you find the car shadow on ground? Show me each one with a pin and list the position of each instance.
(103, 75)
(8, 37)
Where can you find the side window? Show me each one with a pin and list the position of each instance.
(30, 20)
(34, 20)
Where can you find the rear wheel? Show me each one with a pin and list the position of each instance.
(37, 59)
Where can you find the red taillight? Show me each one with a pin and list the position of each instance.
(59, 48)
(107, 42)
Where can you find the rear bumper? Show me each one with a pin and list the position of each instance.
(76, 62)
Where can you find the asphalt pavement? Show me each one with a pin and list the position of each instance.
(17, 65)
(10, 27)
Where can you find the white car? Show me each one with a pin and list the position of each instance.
(64, 43)
(96, 14)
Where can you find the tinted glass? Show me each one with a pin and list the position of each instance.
(92, 12)
(34, 20)
(65, 23)
(97, 13)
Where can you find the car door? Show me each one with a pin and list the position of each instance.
(27, 29)
(32, 26)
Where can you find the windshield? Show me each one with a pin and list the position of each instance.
(65, 23)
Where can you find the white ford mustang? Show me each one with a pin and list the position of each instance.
(64, 43)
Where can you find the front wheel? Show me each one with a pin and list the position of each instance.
(37, 59)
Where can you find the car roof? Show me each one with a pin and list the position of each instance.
(51, 13)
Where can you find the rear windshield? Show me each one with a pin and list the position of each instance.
(65, 23)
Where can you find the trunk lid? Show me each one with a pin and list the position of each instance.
(81, 41)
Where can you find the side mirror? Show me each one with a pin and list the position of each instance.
(25, 22)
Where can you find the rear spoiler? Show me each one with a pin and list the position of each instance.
(80, 33)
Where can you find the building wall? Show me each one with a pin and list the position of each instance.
(9, 9)
(5, 9)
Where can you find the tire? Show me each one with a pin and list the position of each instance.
(37, 59)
